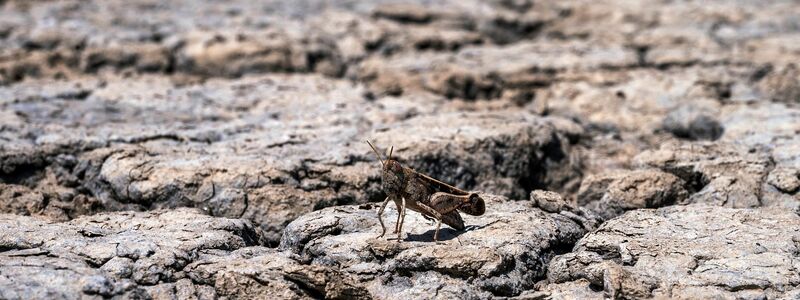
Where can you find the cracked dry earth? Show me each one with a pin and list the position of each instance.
(215, 150)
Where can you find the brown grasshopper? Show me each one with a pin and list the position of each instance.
(425, 195)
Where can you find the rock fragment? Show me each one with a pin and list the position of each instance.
(785, 179)
(20, 200)
(783, 84)
(689, 123)
(554, 203)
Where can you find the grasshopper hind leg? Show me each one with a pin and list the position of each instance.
(436, 233)
(433, 213)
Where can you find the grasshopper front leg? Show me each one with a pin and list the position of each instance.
(399, 213)
(402, 214)
(380, 216)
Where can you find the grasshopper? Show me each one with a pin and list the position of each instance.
(425, 195)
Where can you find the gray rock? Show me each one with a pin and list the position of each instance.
(721, 174)
(554, 203)
(240, 37)
(160, 254)
(632, 190)
(578, 289)
(115, 105)
(501, 253)
(489, 72)
(594, 186)
(777, 130)
(257, 272)
(109, 254)
(785, 179)
(777, 133)
(267, 148)
(20, 200)
(686, 251)
(783, 84)
(689, 123)
(550, 201)
(624, 111)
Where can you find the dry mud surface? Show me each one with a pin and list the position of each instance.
(215, 150)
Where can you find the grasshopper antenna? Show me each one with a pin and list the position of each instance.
(390, 153)
(376, 152)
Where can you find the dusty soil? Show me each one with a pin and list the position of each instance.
(204, 149)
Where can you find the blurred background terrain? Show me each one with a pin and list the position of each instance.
(180, 149)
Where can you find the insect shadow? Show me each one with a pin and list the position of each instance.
(445, 234)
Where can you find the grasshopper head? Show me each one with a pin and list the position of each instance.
(393, 177)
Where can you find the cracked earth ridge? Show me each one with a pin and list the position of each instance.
(685, 252)
(253, 150)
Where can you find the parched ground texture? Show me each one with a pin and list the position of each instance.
(215, 150)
